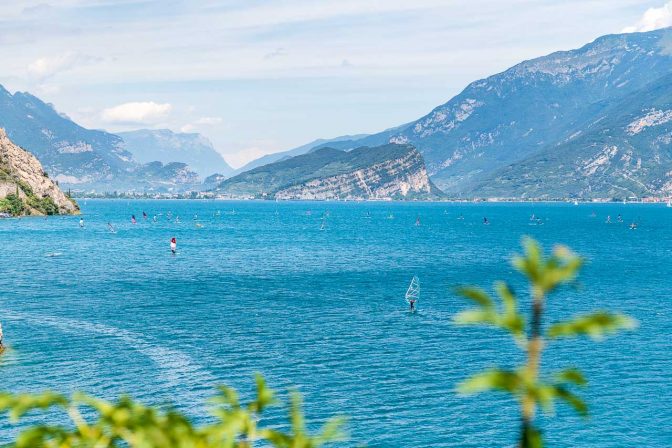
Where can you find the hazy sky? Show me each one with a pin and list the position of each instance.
(261, 76)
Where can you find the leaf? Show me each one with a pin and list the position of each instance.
(494, 379)
(530, 262)
(531, 438)
(332, 431)
(574, 401)
(469, 317)
(546, 273)
(508, 298)
(265, 396)
(477, 295)
(595, 325)
(572, 376)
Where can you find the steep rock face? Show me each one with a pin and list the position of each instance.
(385, 172)
(21, 173)
(400, 178)
(166, 146)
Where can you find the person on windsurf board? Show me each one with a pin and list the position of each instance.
(133, 220)
(81, 223)
(413, 293)
(173, 245)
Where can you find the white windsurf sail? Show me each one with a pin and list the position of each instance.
(413, 291)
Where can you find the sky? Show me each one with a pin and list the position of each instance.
(256, 77)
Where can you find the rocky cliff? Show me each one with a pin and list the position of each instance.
(25, 188)
(384, 172)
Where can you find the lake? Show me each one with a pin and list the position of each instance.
(258, 287)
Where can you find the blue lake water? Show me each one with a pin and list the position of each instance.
(266, 290)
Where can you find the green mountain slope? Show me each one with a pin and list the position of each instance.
(385, 172)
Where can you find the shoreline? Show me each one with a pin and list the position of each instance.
(383, 201)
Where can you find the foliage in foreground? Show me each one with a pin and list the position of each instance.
(128, 423)
(527, 384)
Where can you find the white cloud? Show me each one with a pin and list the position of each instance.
(188, 128)
(46, 67)
(653, 19)
(147, 112)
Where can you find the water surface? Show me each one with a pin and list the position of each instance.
(264, 289)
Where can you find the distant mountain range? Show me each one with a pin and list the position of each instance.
(385, 172)
(591, 122)
(514, 133)
(71, 154)
(164, 145)
(85, 159)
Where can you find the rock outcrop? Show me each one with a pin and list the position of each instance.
(25, 188)
(384, 172)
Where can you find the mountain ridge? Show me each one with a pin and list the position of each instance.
(532, 106)
(166, 146)
(386, 172)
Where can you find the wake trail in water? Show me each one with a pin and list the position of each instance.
(176, 368)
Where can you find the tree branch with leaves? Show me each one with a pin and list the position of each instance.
(127, 423)
(532, 389)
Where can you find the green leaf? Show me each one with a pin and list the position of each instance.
(265, 396)
(531, 438)
(470, 317)
(572, 376)
(508, 298)
(494, 379)
(477, 295)
(574, 401)
(595, 325)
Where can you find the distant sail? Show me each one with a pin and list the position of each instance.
(413, 291)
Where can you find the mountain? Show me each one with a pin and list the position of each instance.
(166, 146)
(78, 158)
(384, 172)
(626, 151)
(531, 107)
(25, 188)
(282, 155)
(72, 154)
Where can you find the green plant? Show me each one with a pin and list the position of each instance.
(126, 423)
(44, 205)
(12, 204)
(527, 384)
